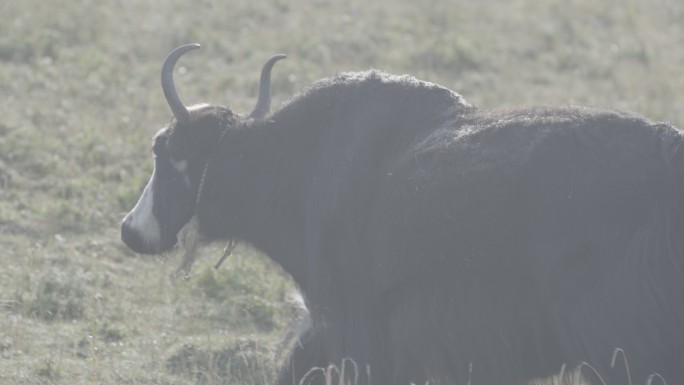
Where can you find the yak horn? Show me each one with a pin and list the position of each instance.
(263, 104)
(177, 107)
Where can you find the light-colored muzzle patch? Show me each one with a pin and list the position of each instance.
(141, 219)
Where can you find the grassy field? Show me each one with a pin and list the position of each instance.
(80, 101)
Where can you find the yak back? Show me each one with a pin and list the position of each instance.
(537, 230)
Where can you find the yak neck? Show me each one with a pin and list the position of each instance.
(254, 190)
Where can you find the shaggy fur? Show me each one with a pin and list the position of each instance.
(433, 241)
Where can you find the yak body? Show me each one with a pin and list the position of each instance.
(433, 241)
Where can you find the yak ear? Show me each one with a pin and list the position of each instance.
(263, 105)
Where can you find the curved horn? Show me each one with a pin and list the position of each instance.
(263, 104)
(177, 107)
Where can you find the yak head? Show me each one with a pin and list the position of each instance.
(181, 151)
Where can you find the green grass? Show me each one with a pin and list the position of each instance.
(80, 101)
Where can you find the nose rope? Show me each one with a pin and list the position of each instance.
(227, 251)
(232, 243)
(200, 188)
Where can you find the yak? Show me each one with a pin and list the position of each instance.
(433, 241)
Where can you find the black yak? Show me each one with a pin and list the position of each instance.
(433, 241)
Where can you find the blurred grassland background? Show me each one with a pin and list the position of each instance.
(80, 101)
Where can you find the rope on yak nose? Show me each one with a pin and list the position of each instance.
(226, 252)
(188, 241)
(189, 237)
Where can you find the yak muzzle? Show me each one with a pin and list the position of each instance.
(135, 241)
